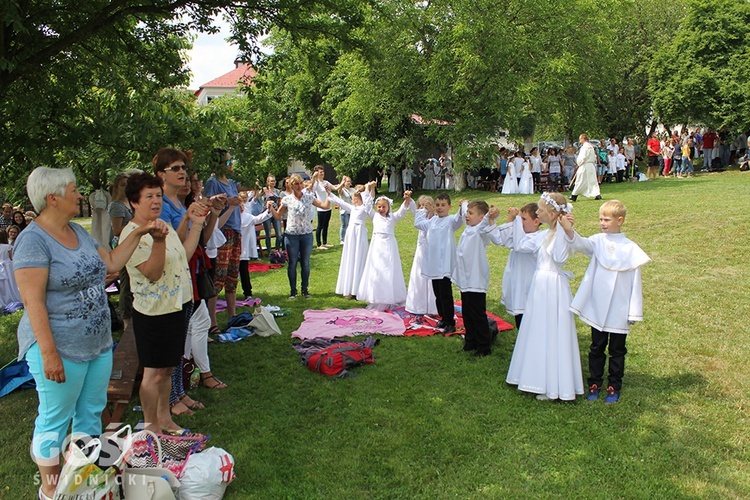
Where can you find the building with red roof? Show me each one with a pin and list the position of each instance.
(228, 83)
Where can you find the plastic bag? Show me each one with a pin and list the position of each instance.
(90, 475)
(207, 475)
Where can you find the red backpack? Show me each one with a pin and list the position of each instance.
(338, 358)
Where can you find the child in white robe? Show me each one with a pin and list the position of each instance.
(471, 275)
(610, 297)
(526, 181)
(382, 285)
(354, 253)
(521, 266)
(249, 245)
(621, 166)
(546, 360)
(510, 183)
(440, 257)
(420, 298)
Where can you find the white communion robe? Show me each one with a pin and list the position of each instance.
(610, 296)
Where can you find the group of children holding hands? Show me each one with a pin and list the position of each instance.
(535, 289)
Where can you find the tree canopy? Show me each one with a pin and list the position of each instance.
(99, 85)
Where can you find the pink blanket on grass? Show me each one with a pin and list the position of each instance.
(332, 323)
(221, 305)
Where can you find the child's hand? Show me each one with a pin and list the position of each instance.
(407, 194)
(513, 213)
(269, 205)
(328, 188)
(566, 221)
(494, 212)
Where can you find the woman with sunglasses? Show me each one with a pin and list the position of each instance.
(170, 166)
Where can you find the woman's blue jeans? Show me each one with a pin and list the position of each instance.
(299, 249)
(344, 224)
(276, 228)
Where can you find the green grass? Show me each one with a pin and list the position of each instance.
(428, 421)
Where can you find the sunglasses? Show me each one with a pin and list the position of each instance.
(176, 168)
(229, 162)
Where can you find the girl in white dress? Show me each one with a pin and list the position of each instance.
(382, 285)
(526, 182)
(510, 184)
(429, 176)
(393, 180)
(8, 288)
(354, 254)
(546, 360)
(420, 297)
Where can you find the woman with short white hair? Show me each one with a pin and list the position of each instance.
(65, 332)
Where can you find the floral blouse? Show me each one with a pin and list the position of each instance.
(299, 218)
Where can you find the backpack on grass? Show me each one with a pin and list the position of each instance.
(278, 257)
(335, 360)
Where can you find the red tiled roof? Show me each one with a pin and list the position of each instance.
(418, 120)
(243, 73)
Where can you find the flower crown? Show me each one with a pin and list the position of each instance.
(385, 198)
(566, 209)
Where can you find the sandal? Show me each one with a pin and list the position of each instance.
(218, 384)
(195, 405)
(179, 432)
(214, 330)
(179, 413)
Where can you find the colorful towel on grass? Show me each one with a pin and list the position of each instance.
(332, 323)
(427, 325)
(221, 305)
(262, 267)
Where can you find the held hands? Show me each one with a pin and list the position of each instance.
(158, 229)
(493, 214)
(566, 221)
(269, 205)
(218, 202)
(407, 198)
(198, 212)
(234, 201)
(513, 213)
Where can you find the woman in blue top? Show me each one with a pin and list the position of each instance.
(65, 332)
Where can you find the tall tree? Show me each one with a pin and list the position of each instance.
(703, 76)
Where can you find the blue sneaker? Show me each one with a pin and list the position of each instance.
(613, 396)
(593, 392)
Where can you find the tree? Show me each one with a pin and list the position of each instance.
(81, 83)
(703, 75)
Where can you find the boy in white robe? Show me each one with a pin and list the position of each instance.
(610, 297)
(521, 266)
(471, 274)
(440, 257)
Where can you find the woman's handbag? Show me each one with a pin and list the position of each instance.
(160, 450)
(205, 284)
(263, 323)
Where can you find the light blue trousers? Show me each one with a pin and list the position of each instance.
(81, 398)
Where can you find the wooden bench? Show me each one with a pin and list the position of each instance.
(122, 380)
(260, 239)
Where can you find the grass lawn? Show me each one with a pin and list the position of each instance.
(428, 421)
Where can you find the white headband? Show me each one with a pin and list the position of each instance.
(566, 209)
